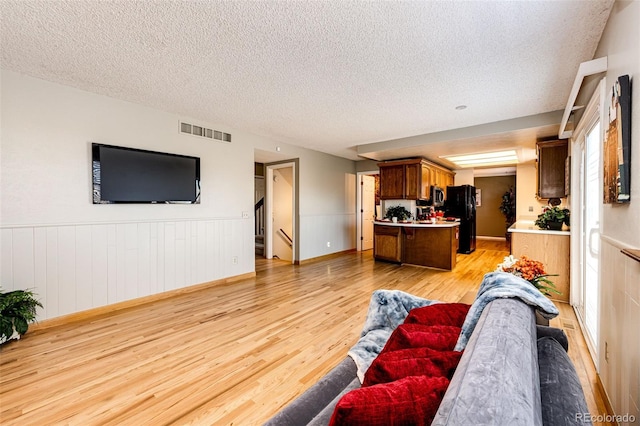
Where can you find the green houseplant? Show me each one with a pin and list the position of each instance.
(553, 218)
(508, 209)
(398, 211)
(17, 310)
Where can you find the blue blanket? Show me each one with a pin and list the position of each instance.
(387, 310)
(496, 285)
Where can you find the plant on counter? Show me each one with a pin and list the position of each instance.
(17, 310)
(530, 270)
(553, 218)
(398, 211)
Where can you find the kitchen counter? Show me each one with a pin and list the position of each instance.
(425, 244)
(438, 224)
(549, 247)
(528, 226)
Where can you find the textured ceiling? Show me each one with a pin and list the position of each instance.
(327, 75)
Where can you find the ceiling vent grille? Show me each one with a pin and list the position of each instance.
(203, 132)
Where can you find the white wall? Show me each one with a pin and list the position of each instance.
(77, 255)
(526, 193)
(620, 275)
(464, 177)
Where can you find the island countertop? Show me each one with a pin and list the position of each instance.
(438, 224)
(529, 227)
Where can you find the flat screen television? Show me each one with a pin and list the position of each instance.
(129, 175)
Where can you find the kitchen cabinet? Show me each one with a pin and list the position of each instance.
(434, 246)
(387, 243)
(411, 179)
(549, 247)
(552, 156)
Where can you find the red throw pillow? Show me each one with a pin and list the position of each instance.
(395, 365)
(439, 337)
(439, 314)
(413, 400)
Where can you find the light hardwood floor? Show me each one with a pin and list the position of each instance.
(229, 354)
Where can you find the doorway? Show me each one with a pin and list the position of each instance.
(281, 207)
(366, 206)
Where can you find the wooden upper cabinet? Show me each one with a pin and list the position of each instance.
(552, 156)
(409, 179)
(392, 182)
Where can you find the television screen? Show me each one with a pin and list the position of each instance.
(128, 175)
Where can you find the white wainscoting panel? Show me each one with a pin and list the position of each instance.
(337, 229)
(73, 268)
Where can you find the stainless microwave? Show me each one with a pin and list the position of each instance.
(436, 196)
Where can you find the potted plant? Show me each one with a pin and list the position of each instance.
(17, 310)
(398, 212)
(553, 218)
(508, 209)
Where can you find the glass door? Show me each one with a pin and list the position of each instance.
(591, 231)
(585, 219)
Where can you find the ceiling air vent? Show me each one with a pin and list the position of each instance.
(203, 132)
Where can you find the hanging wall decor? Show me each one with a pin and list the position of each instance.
(617, 148)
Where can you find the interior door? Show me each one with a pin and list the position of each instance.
(368, 210)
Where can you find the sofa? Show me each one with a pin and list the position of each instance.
(512, 371)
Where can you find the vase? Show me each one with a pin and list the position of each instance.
(554, 226)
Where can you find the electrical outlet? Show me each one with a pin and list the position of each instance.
(328, 243)
(530, 208)
(606, 351)
(234, 260)
(245, 215)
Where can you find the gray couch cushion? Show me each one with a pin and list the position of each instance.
(561, 393)
(323, 418)
(308, 405)
(496, 382)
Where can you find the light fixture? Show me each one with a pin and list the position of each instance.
(483, 159)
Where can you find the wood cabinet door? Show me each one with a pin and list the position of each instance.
(551, 168)
(392, 182)
(426, 182)
(413, 178)
(387, 243)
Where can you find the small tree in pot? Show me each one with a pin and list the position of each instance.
(17, 310)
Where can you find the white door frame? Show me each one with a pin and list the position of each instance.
(268, 209)
(594, 111)
(359, 217)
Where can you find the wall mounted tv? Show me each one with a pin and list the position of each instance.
(128, 175)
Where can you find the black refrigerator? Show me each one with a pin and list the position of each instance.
(461, 203)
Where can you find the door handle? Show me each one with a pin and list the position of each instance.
(592, 232)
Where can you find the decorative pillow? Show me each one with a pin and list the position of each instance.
(439, 314)
(395, 365)
(413, 400)
(439, 337)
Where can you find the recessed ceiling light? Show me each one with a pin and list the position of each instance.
(461, 107)
(483, 159)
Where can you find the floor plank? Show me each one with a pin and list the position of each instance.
(229, 354)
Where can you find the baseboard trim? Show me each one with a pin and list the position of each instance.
(323, 257)
(491, 238)
(107, 309)
(605, 396)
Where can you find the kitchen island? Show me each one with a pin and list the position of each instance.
(549, 247)
(425, 244)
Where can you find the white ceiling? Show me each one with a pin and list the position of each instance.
(375, 79)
